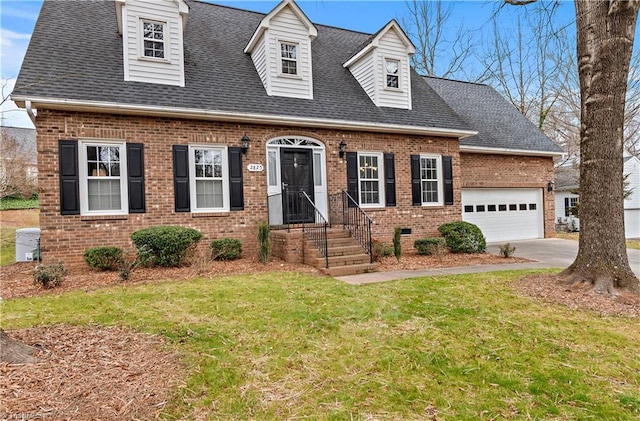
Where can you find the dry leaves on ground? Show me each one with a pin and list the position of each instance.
(550, 288)
(85, 373)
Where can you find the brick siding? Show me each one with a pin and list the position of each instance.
(66, 237)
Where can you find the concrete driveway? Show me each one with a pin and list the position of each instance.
(556, 252)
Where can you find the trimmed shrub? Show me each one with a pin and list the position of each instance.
(397, 244)
(380, 250)
(226, 249)
(463, 237)
(104, 258)
(50, 275)
(165, 246)
(264, 243)
(428, 246)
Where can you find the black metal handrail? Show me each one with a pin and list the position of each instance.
(317, 230)
(357, 222)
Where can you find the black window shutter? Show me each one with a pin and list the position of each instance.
(352, 175)
(447, 168)
(181, 178)
(69, 177)
(389, 179)
(235, 179)
(135, 174)
(566, 206)
(416, 184)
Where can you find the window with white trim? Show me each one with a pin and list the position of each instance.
(288, 58)
(392, 73)
(431, 179)
(153, 42)
(572, 202)
(103, 178)
(370, 179)
(209, 175)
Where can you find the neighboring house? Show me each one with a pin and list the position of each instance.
(567, 184)
(188, 113)
(18, 160)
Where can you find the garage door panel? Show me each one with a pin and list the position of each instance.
(504, 214)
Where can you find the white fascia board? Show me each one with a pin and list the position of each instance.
(505, 151)
(119, 6)
(255, 38)
(195, 113)
(359, 55)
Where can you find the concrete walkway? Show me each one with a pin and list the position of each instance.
(544, 253)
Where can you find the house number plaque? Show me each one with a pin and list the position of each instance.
(255, 167)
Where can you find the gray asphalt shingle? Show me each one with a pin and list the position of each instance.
(498, 123)
(76, 53)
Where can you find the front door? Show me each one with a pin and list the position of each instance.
(297, 177)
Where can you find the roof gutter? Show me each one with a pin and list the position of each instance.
(505, 151)
(195, 113)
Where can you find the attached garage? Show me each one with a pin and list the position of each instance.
(505, 214)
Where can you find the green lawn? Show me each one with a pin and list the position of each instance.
(286, 345)
(9, 204)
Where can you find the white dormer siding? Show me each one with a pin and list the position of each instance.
(160, 23)
(389, 49)
(281, 52)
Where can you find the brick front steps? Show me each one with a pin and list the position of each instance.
(346, 256)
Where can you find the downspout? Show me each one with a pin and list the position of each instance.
(32, 113)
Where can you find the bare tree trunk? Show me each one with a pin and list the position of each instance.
(605, 42)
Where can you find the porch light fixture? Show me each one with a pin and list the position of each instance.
(245, 143)
(343, 148)
(550, 185)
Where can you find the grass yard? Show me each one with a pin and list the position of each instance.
(10, 204)
(287, 345)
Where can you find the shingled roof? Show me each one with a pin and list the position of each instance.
(75, 54)
(498, 123)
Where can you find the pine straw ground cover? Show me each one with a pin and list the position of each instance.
(83, 373)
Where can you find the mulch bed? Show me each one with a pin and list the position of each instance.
(86, 373)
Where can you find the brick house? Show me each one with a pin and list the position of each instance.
(180, 112)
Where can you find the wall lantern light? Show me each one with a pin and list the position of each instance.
(550, 185)
(245, 143)
(343, 148)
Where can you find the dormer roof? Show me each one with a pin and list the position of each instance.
(374, 42)
(183, 9)
(265, 23)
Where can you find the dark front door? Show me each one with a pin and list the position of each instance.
(297, 177)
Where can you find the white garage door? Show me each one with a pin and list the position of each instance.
(632, 223)
(505, 214)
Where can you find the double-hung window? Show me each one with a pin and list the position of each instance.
(103, 178)
(392, 72)
(209, 179)
(370, 179)
(431, 179)
(288, 58)
(153, 39)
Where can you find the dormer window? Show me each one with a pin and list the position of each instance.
(392, 71)
(288, 58)
(153, 39)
